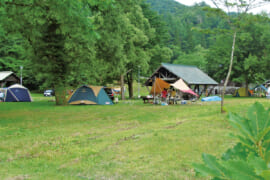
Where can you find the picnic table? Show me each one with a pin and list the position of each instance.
(147, 99)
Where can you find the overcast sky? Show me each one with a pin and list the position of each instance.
(192, 2)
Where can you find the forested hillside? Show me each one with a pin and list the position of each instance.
(200, 38)
(181, 21)
(97, 42)
(184, 23)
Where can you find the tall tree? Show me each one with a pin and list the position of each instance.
(58, 33)
(241, 7)
(197, 58)
(251, 50)
(125, 33)
(158, 42)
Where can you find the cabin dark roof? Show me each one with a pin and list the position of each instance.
(190, 74)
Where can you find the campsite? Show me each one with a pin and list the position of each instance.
(134, 89)
(129, 140)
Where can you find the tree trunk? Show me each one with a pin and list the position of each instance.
(130, 84)
(60, 95)
(122, 87)
(228, 75)
(246, 87)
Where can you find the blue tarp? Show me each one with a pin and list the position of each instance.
(212, 98)
(260, 86)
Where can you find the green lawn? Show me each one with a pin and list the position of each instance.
(129, 140)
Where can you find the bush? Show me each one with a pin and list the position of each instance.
(250, 157)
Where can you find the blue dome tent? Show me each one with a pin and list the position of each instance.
(17, 93)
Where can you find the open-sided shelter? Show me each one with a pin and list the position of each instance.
(90, 95)
(8, 78)
(172, 72)
(191, 75)
(16, 93)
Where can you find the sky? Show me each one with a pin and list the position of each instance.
(255, 11)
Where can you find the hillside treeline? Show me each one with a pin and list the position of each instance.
(95, 42)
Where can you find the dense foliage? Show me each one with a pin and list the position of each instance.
(68, 43)
(204, 38)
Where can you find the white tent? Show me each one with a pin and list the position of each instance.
(181, 85)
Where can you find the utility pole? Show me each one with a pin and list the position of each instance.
(139, 82)
(122, 87)
(21, 68)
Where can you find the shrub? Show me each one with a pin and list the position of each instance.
(250, 157)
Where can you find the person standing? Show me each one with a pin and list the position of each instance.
(2, 96)
(164, 94)
(268, 93)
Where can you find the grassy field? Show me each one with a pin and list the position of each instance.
(129, 140)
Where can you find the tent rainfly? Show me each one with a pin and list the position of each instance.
(241, 92)
(16, 93)
(181, 85)
(90, 95)
(160, 85)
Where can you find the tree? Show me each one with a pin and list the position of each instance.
(12, 53)
(217, 57)
(251, 50)
(60, 35)
(241, 7)
(158, 42)
(197, 58)
(125, 34)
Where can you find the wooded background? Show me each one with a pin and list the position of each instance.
(68, 43)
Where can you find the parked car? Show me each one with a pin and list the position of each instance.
(109, 91)
(49, 92)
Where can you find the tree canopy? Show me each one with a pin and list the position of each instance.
(68, 43)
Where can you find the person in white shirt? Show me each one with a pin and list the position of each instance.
(2, 96)
(268, 93)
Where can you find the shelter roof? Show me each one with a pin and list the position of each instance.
(190, 74)
(5, 74)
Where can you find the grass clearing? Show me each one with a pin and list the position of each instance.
(129, 140)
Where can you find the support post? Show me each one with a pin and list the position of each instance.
(122, 87)
(139, 82)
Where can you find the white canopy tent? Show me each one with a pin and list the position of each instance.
(181, 85)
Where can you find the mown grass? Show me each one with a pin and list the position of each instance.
(129, 140)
